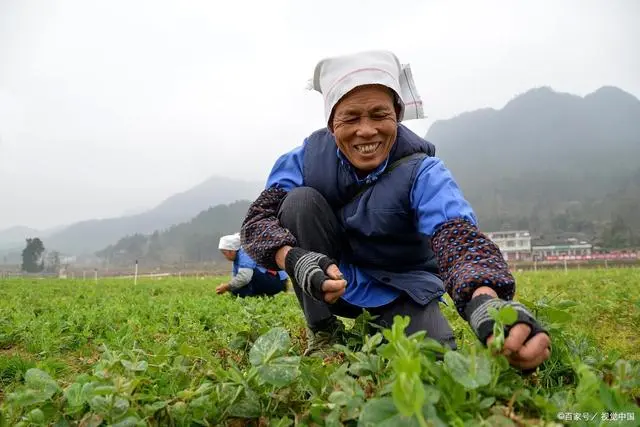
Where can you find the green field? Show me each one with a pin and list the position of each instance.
(172, 352)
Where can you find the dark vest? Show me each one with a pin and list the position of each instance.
(379, 225)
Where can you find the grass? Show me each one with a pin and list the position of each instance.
(608, 304)
(172, 352)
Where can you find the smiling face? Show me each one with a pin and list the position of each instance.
(228, 254)
(365, 126)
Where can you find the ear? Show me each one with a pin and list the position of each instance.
(396, 104)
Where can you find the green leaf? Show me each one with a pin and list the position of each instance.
(36, 416)
(431, 345)
(408, 393)
(114, 406)
(240, 341)
(486, 402)
(39, 380)
(73, 396)
(282, 422)
(408, 365)
(247, 407)
(372, 342)
(91, 420)
(460, 369)
(100, 404)
(156, 406)
(103, 390)
(588, 390)
(178, 409)
(333, 419)
(564, 304)
(557, 316)
(60, 423)
(382, 412)
(373, 366)
(280, 371)
(274, 343)
(432, 394)
(507, 315)
(87, 391)
(608, 398)
(527, 303)
(429, 412)
(201, 407)
(187, 350)
(340, 398)
(119, 408)
(139, 366)
(28, 397)
(396, 333)
(130, 421)
(203, 389)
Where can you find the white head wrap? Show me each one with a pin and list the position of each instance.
(230, 242)
(335, 77)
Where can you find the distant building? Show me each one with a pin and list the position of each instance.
(517, 246)
(514, 245)
(582, 249)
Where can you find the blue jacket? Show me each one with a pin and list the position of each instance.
(243, 260)
(389, 224)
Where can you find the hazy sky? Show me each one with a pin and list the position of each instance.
(107, 106)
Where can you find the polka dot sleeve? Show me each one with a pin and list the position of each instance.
(261, 232)
(467, 259)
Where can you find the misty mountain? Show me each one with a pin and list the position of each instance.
(92, 235)
(557, 164)
(14, 237)
(551, 162)
(10, 237)
(547, 161)
(195, 241)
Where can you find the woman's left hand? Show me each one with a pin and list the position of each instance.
(221, 289)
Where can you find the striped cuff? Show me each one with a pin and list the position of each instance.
(477, 311)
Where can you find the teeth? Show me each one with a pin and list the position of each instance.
(367, 148)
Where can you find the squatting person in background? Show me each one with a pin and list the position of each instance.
(248, 278)
(363, 215)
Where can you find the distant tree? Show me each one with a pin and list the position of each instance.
(155, 248)
(618, 234)
(32, 256)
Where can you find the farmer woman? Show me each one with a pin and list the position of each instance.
(363, 215)
(249, 279)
